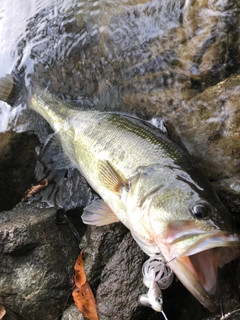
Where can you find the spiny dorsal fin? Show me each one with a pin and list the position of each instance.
(6, 87)
(110, 178)
(98, 213)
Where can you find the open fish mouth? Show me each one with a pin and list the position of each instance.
(197, 265)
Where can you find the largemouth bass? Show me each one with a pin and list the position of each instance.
(148, 183)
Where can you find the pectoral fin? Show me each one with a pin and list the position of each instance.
(98, 213)
(110, 178)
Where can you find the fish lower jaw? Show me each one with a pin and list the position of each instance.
(201, 284)
(196, 264)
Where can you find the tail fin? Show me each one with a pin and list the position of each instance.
(10, 87)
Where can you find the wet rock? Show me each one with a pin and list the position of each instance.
(121, 53)
(37, 257)
(17, 166)
(228, 191)
(113, 264)
(72, 313)
(207, 125)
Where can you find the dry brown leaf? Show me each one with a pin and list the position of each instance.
(85, 301)
(35, 189)
(80, 276)
(2, 311)
(82, 293)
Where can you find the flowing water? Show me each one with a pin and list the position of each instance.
(124, 55)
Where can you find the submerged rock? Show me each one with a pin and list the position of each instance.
(207, 125)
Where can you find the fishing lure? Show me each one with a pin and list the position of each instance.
(157, 276)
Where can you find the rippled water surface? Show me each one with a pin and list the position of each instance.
(17, 39)
(114, 54)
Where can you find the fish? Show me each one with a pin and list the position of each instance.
(148, 183)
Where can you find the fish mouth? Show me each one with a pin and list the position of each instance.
(197, 266)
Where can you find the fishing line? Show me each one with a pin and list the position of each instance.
(74, 230)
(171, 260)
(165, 317)
(225, 316)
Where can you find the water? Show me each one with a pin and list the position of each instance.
(17, 44)
(95, 46)
(115, 55)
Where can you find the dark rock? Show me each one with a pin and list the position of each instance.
(17, 166)
(37, 258)
(121, 281)
(229, 190)
(113, 264)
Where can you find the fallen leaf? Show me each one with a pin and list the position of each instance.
(35, 189)
(82, 294)
(2, 311)
(85, 301)
(80, 276)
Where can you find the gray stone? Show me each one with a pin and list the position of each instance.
(37, 258)
(72, 313)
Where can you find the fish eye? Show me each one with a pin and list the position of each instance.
(159, 300)
(201, 210)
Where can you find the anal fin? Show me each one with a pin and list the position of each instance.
(98, 213)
